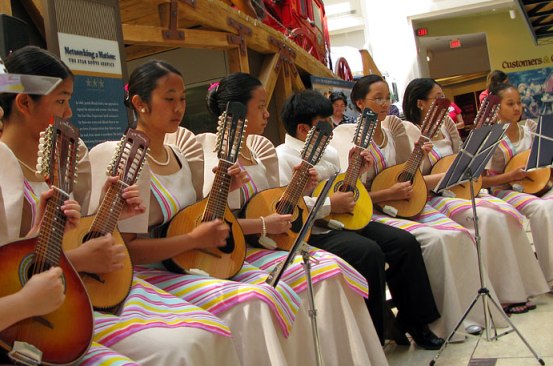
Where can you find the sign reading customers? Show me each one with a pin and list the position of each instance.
(97, 102)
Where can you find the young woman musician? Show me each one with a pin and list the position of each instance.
(447, 247)
(538, 210)
(265, 322)
(348, 335)
(506, 251)
(148, 315)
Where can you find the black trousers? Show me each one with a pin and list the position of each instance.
(367, 250)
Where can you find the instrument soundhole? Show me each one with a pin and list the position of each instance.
(229, 247)
(340, 186)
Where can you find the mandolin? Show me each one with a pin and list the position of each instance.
(487, 115)
(64, 335)
(225, 261)
(409, 171)
(289, 200)
(107, 290)
(350, 182)
(537, 181)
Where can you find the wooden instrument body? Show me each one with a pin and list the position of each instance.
(461, 190)
(64, 335)
(362, 211)
(223, 262)
(265, 203)
(406, 208)
(106, 290)
(537, 182)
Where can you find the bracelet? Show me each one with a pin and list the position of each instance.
(263, 226)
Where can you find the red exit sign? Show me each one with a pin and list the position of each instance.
(455, 43)
(421, 32)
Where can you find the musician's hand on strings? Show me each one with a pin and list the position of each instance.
(312, 182)
(278, 224)
(210, 234)
(40, 213)
(43, 293)
(427, 147)
(238, 176)
(72, 210)
(98, 255)
(518, 174)
(342, 202)
(367, 159)
(133, 202)
(401, 190)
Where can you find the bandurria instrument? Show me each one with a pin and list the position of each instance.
(222, 262)
(409, 171)
(289, 200)
(107, 290)
(64, 335)
(350, 182)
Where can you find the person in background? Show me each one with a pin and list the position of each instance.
(494, 78)
(339, 105)
(455, 113)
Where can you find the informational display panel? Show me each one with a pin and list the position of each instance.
(86, 34)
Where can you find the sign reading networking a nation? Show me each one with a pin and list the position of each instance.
(97, 103)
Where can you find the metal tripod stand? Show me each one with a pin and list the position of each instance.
(484, 294)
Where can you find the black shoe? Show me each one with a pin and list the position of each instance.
(424, 338)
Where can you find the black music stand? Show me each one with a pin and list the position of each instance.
(541, 154)
(468, 166)
(303, 248)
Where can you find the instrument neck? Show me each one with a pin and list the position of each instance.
(110, 210)
(218, 196)
(295, 189)
(50, 237)
(353, 172)
(414, 162)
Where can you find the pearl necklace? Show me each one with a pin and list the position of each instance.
(159, 162)
(35, 172)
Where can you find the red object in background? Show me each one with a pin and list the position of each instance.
(304, 22)
(455, 43)
(421, 32)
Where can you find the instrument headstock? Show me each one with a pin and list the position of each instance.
(487, 114)
(315, 144)
(230, 131)
(57, 155)
(366, 124)
(129, 156)
(434, 118)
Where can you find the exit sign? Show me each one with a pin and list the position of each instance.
(421, 32)
(455, 43)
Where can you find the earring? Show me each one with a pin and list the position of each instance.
(143, 110)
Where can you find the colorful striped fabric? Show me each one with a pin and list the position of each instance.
(32, 198)
(324, 265)
(217, 296)
(168, 202)
(378, 157)
(99, 355)
(434, 156)
(248, 189)
(517, 199)
(149, 307)
(452, 206)
(429, 217)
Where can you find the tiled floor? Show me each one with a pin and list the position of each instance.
(536, 326)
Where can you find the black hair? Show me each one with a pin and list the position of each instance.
(302, 107)
(417, 89)
(498, 89)
(335, 96)
(362, 87)
(495, 78)
(144, 80)
(32, 60)
(236, 87)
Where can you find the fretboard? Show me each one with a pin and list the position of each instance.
(353, 171)
(411, 166)
(218, 196)
(110, 209)
(50, 237)
(294, 191)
